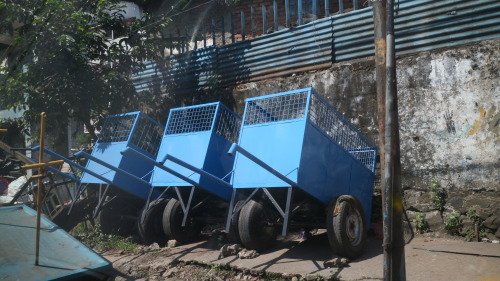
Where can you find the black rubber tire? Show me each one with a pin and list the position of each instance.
(253, 228)
(347, 229)
(234, 236)
(151, 229)
(172, 220)
(111, 217)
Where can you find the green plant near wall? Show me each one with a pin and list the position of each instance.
(438, 194)
(476, 220)
(421, 224)
(453, 223)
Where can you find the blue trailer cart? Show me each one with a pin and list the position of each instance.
(297, 157)
(193, 167)
(107, 167)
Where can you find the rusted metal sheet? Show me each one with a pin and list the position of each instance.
(419, 26)
(187, 71)
(303, 46)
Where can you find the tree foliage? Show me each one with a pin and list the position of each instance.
(64, 61)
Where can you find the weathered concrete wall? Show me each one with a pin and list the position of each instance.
(449, 117)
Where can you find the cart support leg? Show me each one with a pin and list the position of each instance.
(284, 231)
(186, 213)
(230, 211)
(185, 208)
(146, 209)
(79, 191)
(284, 213)
(233, 212)
(102, 196)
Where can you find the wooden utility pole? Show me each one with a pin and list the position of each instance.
(387, 113)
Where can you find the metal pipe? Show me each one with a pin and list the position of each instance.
(159, 165)
(39, 191)
(223, 30)
(315, 9)
(379, 18)
(242, 25)
(394, 255)
(196, 170)
(42, 165)
(118, 170)
(287, 13)
(264, 19)
(299, 12)
(71, 163)
(253, 24)
(275, 15)
(236, 148)
(213, 33)
(232, 28)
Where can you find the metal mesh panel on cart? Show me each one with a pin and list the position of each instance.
(228, 124)
(117, 128)
(189, 120)
(325, 117)
(277, 108)
(147, 135)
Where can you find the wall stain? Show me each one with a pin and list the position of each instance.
(474, 128)
(486, 118)
(450, 124)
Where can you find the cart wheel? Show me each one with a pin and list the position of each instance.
(233, 236)
(118, 217)
(253, 226)
(172, 221)
(346, 228)
(151, 229)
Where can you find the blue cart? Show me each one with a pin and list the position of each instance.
(107, 167)
(193, 167)
(297, 157)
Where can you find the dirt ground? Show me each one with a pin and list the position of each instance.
(427, 259)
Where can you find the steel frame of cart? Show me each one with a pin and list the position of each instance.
(192, 167)
(296, 157)
(107, 167)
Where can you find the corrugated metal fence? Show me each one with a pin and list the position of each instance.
(420, 25)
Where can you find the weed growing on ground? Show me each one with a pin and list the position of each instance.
(438, 194)
(453, 223)
(334, 275)
(93, 237)
(421, 225)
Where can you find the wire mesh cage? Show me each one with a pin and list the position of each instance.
(117, 128)
(331, 122)
(191, 119)
(140, 129)
(306, 102)
(200, 137)
(214, 116)
(147, 135)
(227, 124)
(276, 108)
